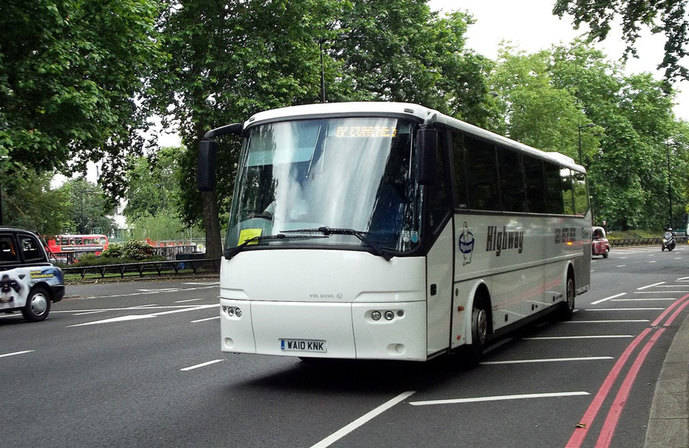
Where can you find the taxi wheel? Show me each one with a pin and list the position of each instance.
(37, 305)
(605, 254)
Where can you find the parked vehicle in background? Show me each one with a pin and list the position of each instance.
(68, 248)
(28, 281)
(600, 244)
(668, 240)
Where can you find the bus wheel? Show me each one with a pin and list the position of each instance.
(37, 305)
(479, 331)
(567, 308)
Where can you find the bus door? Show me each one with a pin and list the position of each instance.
(440, 258)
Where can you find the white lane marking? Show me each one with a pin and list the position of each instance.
(152, 291)
(555, 338)
(606, 321)
(621, 266)
(187, 300)
(89, 312)
(337, 435)
(497, 398)
(129, 308)
(624, 309)
(659, 292)
(203, 364)
(641, 299)
(652, 261)
(673, 286)
(142, 316)
(5, 355)
(683, 279)
(531, 361)
(608, 298)
(649, 286)
(204, 320)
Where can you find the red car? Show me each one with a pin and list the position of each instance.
(600, 244)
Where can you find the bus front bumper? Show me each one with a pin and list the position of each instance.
(391, 330)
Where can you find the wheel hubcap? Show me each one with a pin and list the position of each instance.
(39, 304)
(481, 325)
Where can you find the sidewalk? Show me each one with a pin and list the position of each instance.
(668, 424)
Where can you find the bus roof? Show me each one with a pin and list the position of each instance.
(403, 109)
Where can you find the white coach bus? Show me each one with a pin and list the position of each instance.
(392, 231)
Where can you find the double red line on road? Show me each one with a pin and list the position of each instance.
(611, 420)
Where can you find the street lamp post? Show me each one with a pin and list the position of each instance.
(669, 182)
(3, 157)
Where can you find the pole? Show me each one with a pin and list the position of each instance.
(320, 46)
(669, 183)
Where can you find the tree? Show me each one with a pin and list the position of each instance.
(229, 60)
(70, 75)
(28, 202)
(153, 184)
(88, 207)
(666, 16)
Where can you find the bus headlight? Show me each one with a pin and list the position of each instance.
(389, 315)
(375, 315)
(232, 311)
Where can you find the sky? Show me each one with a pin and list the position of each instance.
(530, 26)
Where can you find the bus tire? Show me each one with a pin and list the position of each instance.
(480, 326)
(567, 307)
(37, 305)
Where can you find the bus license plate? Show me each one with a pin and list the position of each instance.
(303, 345)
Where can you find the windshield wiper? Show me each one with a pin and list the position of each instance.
(360, 234)
(232, 251)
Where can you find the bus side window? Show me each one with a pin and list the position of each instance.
(581, 197)
(511, 181)
(567, 193)
(535, 184)
(458, 151)
(553, 189)
(439, 197)
(483, 176)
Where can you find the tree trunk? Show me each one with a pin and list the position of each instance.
(211, 224)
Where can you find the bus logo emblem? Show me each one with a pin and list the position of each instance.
(466, 244)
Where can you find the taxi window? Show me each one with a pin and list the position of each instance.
(31, 250)
(8, 251)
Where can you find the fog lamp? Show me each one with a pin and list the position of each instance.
(238, 312)
(389, 315)
(375, 315)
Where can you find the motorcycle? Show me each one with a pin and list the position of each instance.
(668, 241)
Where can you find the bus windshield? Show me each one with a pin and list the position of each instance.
(354, 177)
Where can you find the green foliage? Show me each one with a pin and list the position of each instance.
(70, 71)
(228, 60)
(571, 96)
(28, 202)
(114, 250)
(88, 207)
(668, 17)
(153, 184)
(93, 260)
(137, 250)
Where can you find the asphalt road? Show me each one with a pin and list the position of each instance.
(139, 364)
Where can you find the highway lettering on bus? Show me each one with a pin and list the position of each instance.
(500, 240)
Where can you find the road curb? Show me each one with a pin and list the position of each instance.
(668, 424)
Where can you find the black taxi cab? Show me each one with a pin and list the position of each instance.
(28, 281)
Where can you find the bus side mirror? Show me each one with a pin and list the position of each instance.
(427, 144)
(208, 150)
